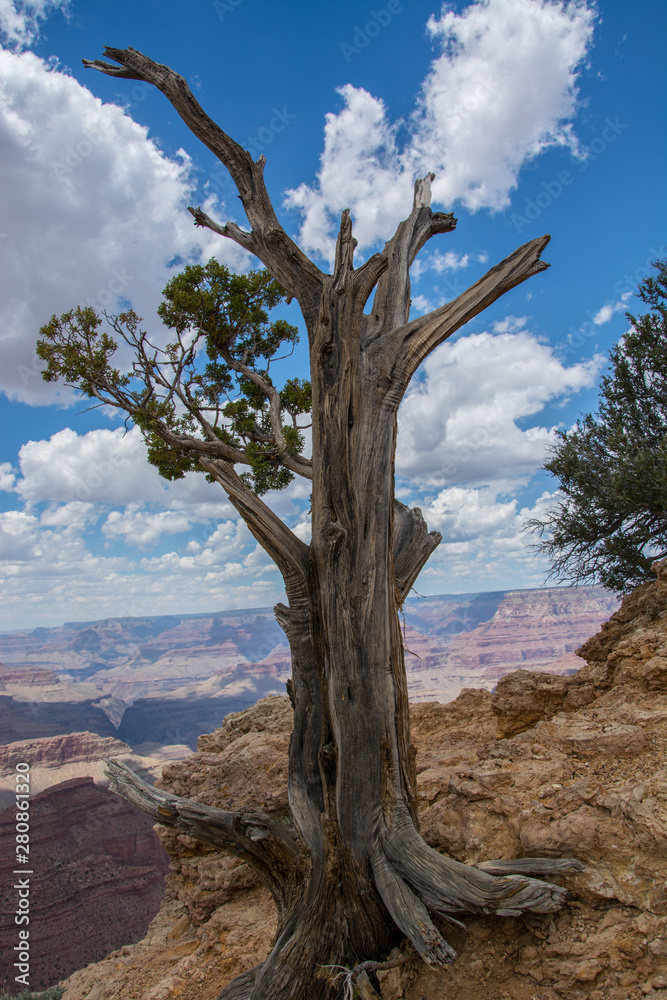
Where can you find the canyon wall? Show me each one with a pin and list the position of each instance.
(97, 865)
(170, 679)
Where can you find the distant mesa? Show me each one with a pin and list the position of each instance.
(167, 679)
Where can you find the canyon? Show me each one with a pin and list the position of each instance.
(97, 867)
(168, 679)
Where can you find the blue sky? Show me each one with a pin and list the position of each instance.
(535, 117)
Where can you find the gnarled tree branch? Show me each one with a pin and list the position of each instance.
(531, 866)
(409, 913)
(413, 544)
(255, 838)
(295, 463)
(230, 230)
(288, 552)
(447, 886)
(242, 987)
(271, 244)
(391, 305)
(409, 345)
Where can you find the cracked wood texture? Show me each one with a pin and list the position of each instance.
(354, 877)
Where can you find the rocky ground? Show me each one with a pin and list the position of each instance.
(547, 765)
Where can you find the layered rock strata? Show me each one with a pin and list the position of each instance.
(97, 865)
(97, 879)
(55, 759)
(168, 679)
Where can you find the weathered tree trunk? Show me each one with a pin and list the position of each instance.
(355, 877)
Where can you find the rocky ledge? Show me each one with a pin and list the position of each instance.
(545, 766)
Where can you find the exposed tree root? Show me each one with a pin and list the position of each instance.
(531, 866)
(409, 913)
(358, 976)
(411, 878)
(265, 845)
(242, 987)
(446, 885)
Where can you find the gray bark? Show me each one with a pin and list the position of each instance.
(358, 878)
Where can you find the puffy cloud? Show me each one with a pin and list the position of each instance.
(361, 169)
(502, 91)
(20, 20)
(62, 147)
(110, 467)
(141, 528)
(459, 424)
(74, 516)
(420, 305)
(102, 466)
(450, 261)
(7, 478)
(49, 574)
(85, 493)
(463, 514)
(510, 324)
(449, 282)
(605, 313)
(17, 536)
(485, 545)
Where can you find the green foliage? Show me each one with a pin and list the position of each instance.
(211, 383)
(77, 352)
(612, 468)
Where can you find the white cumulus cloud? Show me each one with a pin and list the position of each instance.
(102, 466)
(20, 20)
(94, 213)
(502, 90)
(485, 545)
(605, 313)
(142, 528)
(460, 422)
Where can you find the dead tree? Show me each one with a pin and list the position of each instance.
(354, 876)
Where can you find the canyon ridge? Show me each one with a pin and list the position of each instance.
(167, 680)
